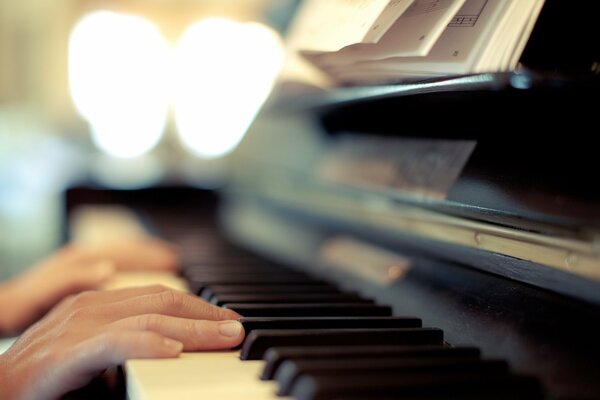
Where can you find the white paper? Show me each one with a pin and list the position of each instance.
(329, 25)
(457, 49)
(386, 19)
(413, 34)
(417, 30)
(483, 36)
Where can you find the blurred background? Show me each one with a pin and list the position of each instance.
(123, 94)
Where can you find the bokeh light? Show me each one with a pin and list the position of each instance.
(118, 68)
(224, 72)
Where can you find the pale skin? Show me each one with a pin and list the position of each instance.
(72, 269)
(89, 332)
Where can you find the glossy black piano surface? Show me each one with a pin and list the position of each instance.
(487, 309)
(485, 336)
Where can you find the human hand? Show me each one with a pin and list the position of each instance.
(28, 296)
(92, 331)
(75, 268)
(133, 253)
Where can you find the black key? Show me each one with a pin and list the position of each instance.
(200, 259)
(290, 298)
(259, 340)
(212, 290)
(239, 269)
(291, 370)
(252, 323)
(245, 276)
(275, 356)
(387, 385)
(199, 285)
(309, 309)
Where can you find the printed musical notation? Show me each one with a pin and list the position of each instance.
(469, 14)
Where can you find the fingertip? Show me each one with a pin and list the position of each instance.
(231, 329)
(215, 335)
(173, 346)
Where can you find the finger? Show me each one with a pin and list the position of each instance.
(169, 302)
(106, 297)
(194, 334)
(72, 254)
(99, 300)
(139, 254)
(77, 365)
(75, 279)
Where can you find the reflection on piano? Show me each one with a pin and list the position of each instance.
(477, 279)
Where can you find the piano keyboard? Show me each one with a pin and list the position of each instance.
(307, 339)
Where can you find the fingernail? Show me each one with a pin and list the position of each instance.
(173, 344)
(230, 328)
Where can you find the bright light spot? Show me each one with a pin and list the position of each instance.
(119, 81)
(224, 72)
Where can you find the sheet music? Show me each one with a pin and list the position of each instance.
(332, 24)
(413, 34)
(456, 51)
(417, 30)
(386, 19)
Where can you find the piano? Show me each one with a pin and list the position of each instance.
(436, 239)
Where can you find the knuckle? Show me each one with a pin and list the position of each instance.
(66, 302)
(149, 322)
(82, 299)
(190, 328)
(77, 314)
(171, 300)
(85, 314)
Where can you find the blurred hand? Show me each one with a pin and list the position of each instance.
(90, 332)
(72, 269)
(25, 298)
(133, 253)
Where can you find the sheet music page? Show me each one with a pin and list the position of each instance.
(387, 18)
(329, 25)
(413, 34)
(456, 51)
